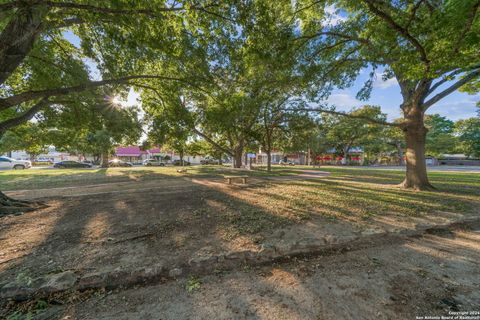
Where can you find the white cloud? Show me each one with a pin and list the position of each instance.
(455, 110)
(343, 101)
(380, 84)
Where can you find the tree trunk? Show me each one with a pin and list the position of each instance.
(415, 136)
(181, 158)
(269, 160)
(237, 157)
(268, 148)
(400, 154)
(18, 37)
(105, 160)
(345, 153)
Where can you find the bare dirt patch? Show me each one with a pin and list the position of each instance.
(170, 220)
(427, 276)
(128, 226)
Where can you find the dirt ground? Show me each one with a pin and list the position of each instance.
(131, 225)
(97, 228)
(436, 274)
(107, 227)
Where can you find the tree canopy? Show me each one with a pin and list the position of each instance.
(430, 47)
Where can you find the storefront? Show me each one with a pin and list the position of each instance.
(131, 154)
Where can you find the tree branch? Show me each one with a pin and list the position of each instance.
(446, 78)
(213, 143)
(32, 95)
(154, 12)
(17, 39)
(451, 76)
(8, 6)
(70, 22)
(27, 115)
(344, 114)
(144, 86)
(307, 7)
(472, 75)
(106, 10)
(468, 26)
(401, 30)
(335, 34)
(413, 13)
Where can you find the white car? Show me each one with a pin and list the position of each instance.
(285, 162)
(153, 162)
(9, 163)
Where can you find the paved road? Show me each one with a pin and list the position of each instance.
(431, 168)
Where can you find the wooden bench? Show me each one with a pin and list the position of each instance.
(230, 178)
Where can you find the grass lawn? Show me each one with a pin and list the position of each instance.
(347, 192)
(53, 178)
(162, 219)
(359, 192)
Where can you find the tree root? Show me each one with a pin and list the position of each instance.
(10, 206)
(417, 187)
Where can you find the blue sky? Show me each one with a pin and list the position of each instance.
(386, 94)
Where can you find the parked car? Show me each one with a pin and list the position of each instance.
(88, 162)
(119, 163)
(153, 162)
(285, 162)
(179, 163)
(44, 160)
(71, 164)
(209, 161)
(9, 163)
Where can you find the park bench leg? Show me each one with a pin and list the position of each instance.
(244, 180)
(229, 180)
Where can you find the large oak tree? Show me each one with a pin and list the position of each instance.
(432, 48)
(41, 70)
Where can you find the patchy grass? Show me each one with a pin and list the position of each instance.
(362, 192)
(193, 284)
(348, 193)
(54, 178)
(201, 217)
(355, 194)
(240, 212)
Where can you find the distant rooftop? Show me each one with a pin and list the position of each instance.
(136, 151)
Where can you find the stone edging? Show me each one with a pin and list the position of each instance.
(70, 281)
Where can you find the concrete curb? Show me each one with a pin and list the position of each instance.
(197, 266)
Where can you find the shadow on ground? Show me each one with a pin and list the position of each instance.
(428, 276)
(172, 219)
